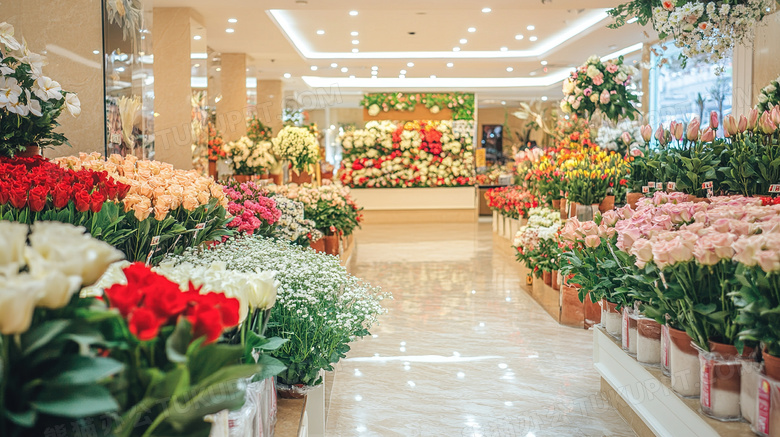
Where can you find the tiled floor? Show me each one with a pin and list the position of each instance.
(463, 351)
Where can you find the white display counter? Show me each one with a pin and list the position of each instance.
(418, 205)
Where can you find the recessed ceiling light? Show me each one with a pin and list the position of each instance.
(533, 38)
(196, 37)
(633, 20)
(510, 69)
(503, 49)
(352, 76)
(449, 64)
(232, 20)
(503, 102)
(353, 13)
(533, 73)
(96, 52)
(287, 75)
(410, 64)
(353, 33)
(375, 68)
(403, 71)
(230, 30)
(519, 37)
(313, 68)
(544, 98)
(334, 65)
(531, 27)
(344, 69)
(463, 40)
(486, 10)
(196, 65)
(472, 29)
(120, 69)
(355, 50)
(320, 32)
(401, 76)
(354, 41)
(433, 76)
(544, 62)
(374, 73)
(219, 68)
(373, 77)
(456, 49)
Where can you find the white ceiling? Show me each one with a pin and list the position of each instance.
(280, 36)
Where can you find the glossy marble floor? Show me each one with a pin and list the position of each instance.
(463, 350)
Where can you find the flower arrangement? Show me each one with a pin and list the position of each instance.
(30, 102)
(250, 158)
(253, 212)
(708, 29)
(257, 131)
(330, 206)
(537, 242)
(461, 104)
(298, 146)
(292, 226)
(413, 154)
(769, 97)
(622, 138)
(320, 308)
(598, 86)
(216, 144)
(512, 201)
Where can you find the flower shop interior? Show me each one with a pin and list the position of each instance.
(347, 218)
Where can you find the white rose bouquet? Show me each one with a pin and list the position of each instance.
(298, 146)
(250, 158)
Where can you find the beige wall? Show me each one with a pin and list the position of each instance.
(232, 108)
(516, 126)
(269, 103)
(766, 53)
(67, 32)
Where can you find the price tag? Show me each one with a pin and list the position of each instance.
(659, 185)
(774, 188)
(709, 192)
(764, 405)
(671, 186)
(651, 184)
(199, 227)
(645, 189)
(155, 242)
(707, 185)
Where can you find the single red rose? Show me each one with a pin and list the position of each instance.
(4, 191)
(139, 276)
(83, 201)
(124, 298)
(144, 324)
(60, 196)
(96, 201)
(18, 197)
(165, 299)
(206, 322)
(37, 198)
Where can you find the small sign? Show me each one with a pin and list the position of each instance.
(626, 339)
(199, 227)
(671, 186)
(651, 184)
(665, 345)
(707, 185)
(155, 241)
(710, 193)
(706, 383)
(774, 188)
(645, 189)
(764, 405)
(659, 185)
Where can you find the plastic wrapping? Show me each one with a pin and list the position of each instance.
(648, 342)
(297, 391)
(665, 350)
(751, 373)
(767, 413)
(720, 386)
(258, 415)
(629, 330)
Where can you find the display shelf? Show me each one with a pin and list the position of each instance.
(652, 405)
(417, 205)
(291, 419)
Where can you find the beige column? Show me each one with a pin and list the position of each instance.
(270, 103)
(232, 108)
(172, 86)
(67, 33)
(645, 83)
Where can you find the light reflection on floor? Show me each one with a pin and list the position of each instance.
(463, 351)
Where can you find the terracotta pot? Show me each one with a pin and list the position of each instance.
(729, 351)
(572, 209)
(608, 204)
(332, 244)
(564, 210)
(771, 365)
(277, 178)
(547, 278)
(303, 178)
(213, 170)
(30, 152)
(318, 245)
(592, 311)
(633, 198)
(694, 199)
(648, 342)
(555, 284)
(242, 178)
(556, 204)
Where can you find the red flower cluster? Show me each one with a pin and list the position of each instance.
(215, 144)
(150, 301)
(512, 200)
(767, 201)
(37, 183)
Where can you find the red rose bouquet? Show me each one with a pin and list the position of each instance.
(512, 201)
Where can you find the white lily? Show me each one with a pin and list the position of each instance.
(9, 91)
(7, 36)
(33, 105)
(73, 104)
(46, 89)
(35, 60)
(18, 108)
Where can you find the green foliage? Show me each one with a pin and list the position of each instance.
(461, 104)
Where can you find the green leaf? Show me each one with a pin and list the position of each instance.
(37, 337)
(79, 370)
(177, 343)
(209, 359)
(76, 402)
(270, 367)
(24, 419)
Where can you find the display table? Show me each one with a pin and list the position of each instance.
(417, 205)
(643, 396)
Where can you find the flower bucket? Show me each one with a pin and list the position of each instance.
(318, 245)
(495, 221)
(592, 311)
(720, 385)
(572, 310)
(629, 330)
(771, 366)
(556, 204)
(564, 209)
(586, 213)
(213, 170)
(748, 389)
(277, 178)
(295, 391)
(242, 178)
(684, 364)
(572, 209)
(332, 245)
(500, 225)
(547, 278)
(514, 226)
(31, 151)
(507, 228)
(611, 318)
(608, 204)
(633, 198)
(648, 341)
(556, 280)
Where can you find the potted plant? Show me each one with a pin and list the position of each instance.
(249, 159)
(300, 148)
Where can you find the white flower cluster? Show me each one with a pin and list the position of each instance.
(58, 261)
(709, 29)
(297, 145)
(543, 224)
(292, 226)
(28, 101)
(612, 138)
(376, 133)
(250, 157)
(769, 96)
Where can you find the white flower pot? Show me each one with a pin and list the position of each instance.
(500, 229)
(629, 330)
(684, 364)
(495, 221)
(507, 228)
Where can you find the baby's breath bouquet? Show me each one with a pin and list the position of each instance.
(250, 158)
(320, 308)
(298, 146)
